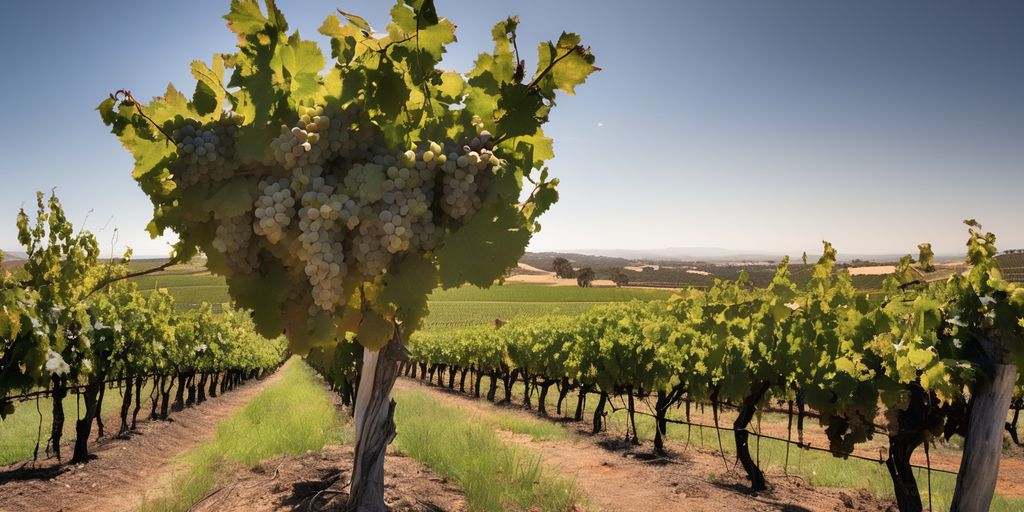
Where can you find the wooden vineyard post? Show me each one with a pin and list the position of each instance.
(976, 480)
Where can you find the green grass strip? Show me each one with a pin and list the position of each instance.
(495, 476)
(290, 417)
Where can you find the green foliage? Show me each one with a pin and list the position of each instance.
(926, 257)
(849, 357)
(585, 276)
(71, 319)
(393, 97)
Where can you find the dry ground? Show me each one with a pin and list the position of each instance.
(615, 477)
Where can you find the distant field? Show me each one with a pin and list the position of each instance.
(449, 314)
(459, 307)
(543, 293)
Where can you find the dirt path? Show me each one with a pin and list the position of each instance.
(319, 481)
(617, 478)
(125, 471)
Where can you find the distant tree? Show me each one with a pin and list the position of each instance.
(620, 278)
(563, 269)
(585, 277)
(927, 257)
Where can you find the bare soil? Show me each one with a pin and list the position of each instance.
(124, 471)
(532, 275)
(617, 476)
(319, 481)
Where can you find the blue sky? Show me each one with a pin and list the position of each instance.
(743, 124)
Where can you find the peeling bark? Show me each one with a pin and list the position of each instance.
(979, 467)
(374, 424)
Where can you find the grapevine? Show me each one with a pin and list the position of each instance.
(334, 199)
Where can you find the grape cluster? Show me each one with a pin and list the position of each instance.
(336, 202)
(274, 209)
(232, 239)
(323, 218)
(205, 154)
(396, 194)
(316, 136)
(466, 174)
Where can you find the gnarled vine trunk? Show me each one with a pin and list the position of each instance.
(492, 387)
(563, 390)
(99, 417)
(213, 384)
(83, 426)
(542, 398)
(527, 391)
(661, 406)
(599, 412)
(201, 388)
(179, 395)
(374, 424)
(746, 413)
(57, 427)
(190, 388)
(508, 381)
(126, 404)
(581, 403)
(138, 400)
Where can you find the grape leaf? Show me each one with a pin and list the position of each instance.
(451, 87)
(245, 18)
(209, 94)
(358, 21)
(517, 111)
(344, 39)
(405, 289)
(375, 330)
(574, 64)
(301, 62)
(488, 245)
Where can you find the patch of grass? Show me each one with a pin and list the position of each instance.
(495, 476)
(538, 430)
(288, 418)
(18, 432)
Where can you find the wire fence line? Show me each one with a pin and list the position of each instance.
(758, 434)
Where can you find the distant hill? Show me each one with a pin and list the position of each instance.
(717, 254)
(661, 271)
(13, 255)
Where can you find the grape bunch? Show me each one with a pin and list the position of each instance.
(317, 136)
(274, 209)
(205, 154)
(232, 239)
(334, 200)
(466, 173)
(396, 205)
(323, 220)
